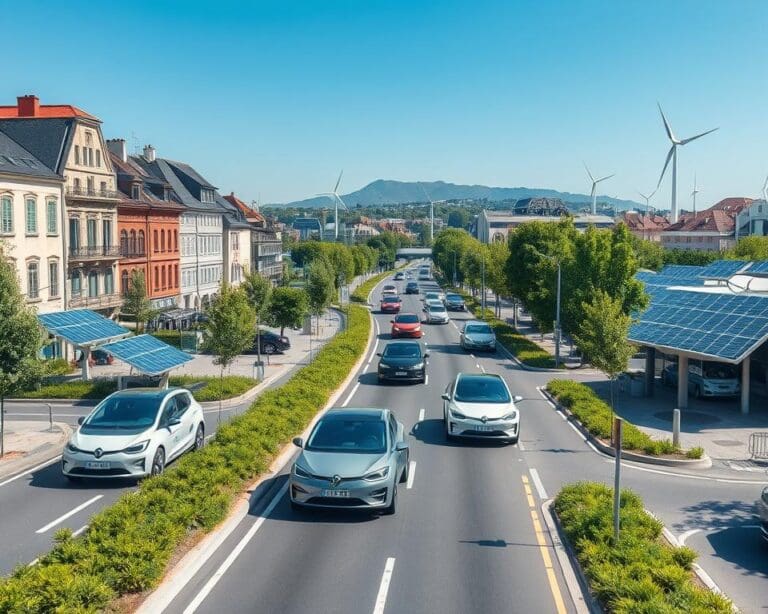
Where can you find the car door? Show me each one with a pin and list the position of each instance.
(169, 433)
(185, 413)
(395, 436)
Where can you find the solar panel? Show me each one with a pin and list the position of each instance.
(681, 270)
(81, 326)
(723, 269)
(147, 354)
(759, 268)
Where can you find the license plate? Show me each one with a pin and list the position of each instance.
(485, 429)
(336, 493)
(97, 465)
(400, 373)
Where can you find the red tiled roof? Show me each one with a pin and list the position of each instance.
(732, 204)
(710, 220)
(645, 221)
(47, 111)
(249, 213)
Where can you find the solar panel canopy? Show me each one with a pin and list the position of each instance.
(759, 268)
(81, 326)
(681, 271)
(723, 269)
(147, 354)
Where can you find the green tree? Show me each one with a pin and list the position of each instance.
(136, 301)
(602, 335)
(497, 254)
(649, 254)
(258, 289)
(750, 248)
(341, 262)
(305, 252)
(21, 338)
(458, 218)
(287, 308)
(320, 286)
(693, 257)
(449, 248)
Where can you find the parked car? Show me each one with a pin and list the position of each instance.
(271, 343)
(134, 433)
(353, 458)
(455, 302)
(96, 357)
(406, 325)
(390, 304)
(403, 360)
(706, 379)
(478, 336)
(389, 289)
(480, 405)
(412, 287)
(436, 313)
(762, 512)
(399, 276)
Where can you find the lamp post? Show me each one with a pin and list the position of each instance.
(483, 285)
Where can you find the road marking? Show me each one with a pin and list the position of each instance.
(520, 446)
(28, 471)
(411, 474)
(214, 580)
(426, 379)
(578, 432)
(351, 394)
(61, 519)
(539, 486)
(658, 471)
(482, 368)
(365, 368)
(422, 411)
(473, 356)
(381, 598)
(80, 531)
(33, 563)
(686, 535)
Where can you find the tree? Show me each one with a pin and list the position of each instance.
(258, 289)
(496, 255)
(340, 261)
(21, 338)
(136, 301)
(750, 248)
(287, 308)
(320, 286)
(229, 330)
(448, 249)
(602, 335)
(458, 218)
(649, 254)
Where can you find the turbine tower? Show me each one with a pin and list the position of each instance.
(765, 190)
(336, 202)
(593, 193)
(431, 213)
(673, 156)
(695, 191)
(647, 200)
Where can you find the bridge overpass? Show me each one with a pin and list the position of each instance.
(412, 253)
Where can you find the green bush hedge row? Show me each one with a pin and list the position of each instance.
(360, 295)
(171, 337)
(212, 387)
(640, 574)
(128, 545)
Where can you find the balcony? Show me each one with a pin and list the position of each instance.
(91, 193)
(133, 253)
(94, 252)
(103, 301)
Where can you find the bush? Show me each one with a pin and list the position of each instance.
(57, 366)
(212, 387)
(360, 295)
(128, 545)
(75, 389)
(638, 574)
(695, 452)
(171, 337)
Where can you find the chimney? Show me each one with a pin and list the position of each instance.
(117, 147)
(149, 153)
(29, 105)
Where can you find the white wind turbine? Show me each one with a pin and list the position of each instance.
(431, 213)
(336, 201)
(695, 191)
(593, 193)
(673, 156)
(647, 200)
(765, 190)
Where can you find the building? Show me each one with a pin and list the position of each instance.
(363, 232)
(266, 243)
(495, 225)
(148, 215)
(237, 242)
(308, 227)
(32, 223)
(646, 226)
(713, 229)
(752, 220)
(69, 142)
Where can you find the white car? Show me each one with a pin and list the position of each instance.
(434, 296)
(436, 313)
(479, 405)
(134, 433)
(389, 289)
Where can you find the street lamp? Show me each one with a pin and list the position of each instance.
(483, 285)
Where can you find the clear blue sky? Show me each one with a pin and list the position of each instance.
(272, 98)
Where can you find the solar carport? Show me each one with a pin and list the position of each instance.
(713, 313)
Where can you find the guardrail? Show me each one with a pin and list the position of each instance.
(758, 445)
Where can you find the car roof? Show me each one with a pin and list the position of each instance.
(406, 313)
(158, 393)
(478, 376)
(355, 413)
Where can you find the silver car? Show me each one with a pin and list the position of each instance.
(436, 313)
(480, 406)
(353, 459)
(478, 336)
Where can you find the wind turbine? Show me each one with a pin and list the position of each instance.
(647, 200)
(695, 191)
(431, 213)
(765, 190)
(673, 156)
(594, 181)
(336, 201)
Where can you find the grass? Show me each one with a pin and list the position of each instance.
(639, 574)
(74, 389)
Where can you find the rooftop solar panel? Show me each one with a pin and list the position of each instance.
(723, 269)
(81, 326)
(759, 268)
(148, 354)
(681, 270)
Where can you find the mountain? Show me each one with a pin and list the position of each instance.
(389, 192)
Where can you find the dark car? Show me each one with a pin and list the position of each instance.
(399, 276)
(97, 357)
(403, 360)
(390, 304)
(271, 343)
(412, 287)
(455, 302)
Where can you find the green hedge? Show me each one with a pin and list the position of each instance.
(360, 295)
(171, 337)
(74, 389)
(640, 574)
(212, 386)
(128, 545)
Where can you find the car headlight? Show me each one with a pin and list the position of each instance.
(284, 339)
(137, 447)
(458, 415)
(301, 472)
(511, 415)
(418, 366)
(376, 475)
(383, 365)
(72, 447)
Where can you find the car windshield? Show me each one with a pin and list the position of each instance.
(348, 435)
(129, 413)
(720, 372)
(407, 319)
(434, 307)
(454, 297)
(478, 329)
(391, 299)
(481, 389)
(402, 349)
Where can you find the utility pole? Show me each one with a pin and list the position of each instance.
(483, 277)
(557, 320)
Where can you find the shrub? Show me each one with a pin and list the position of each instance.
(640, 573)
(212, 387)
(75, 389)
(171, 337)
(360, 295)
(695, 452)
(57, 366)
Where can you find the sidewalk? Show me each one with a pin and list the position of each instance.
(29, 443)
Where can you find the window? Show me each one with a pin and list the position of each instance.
(132, 245)
(106, 232)
(93, 284)
(98, 157)
(162, 240)
(235, 240)
(90, 185)
(135, 189)
(124, 282)
(175, 240)
(109, 282)
(76, 185)
(91, 231)
(88, 137)
(53, 278)
(77, 283)
(157, 279)
(103, 188)
(33, 280)
(74, 234)
(31, 216)
(77, 154)
(124, 242)
(163, 277)
(52, 224)
(176, 275)
(6, 215)
(154, 241)
(90, 156)
(141, 244)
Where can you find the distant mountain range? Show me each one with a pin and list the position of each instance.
(389, 192)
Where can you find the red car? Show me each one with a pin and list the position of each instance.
(390, 304)
(406, 325)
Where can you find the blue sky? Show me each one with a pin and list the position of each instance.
(273, 98)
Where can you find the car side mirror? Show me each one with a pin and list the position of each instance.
(298, 442)
(426, 354)
(445, 396)
(391, 321)
(173, 422)
(401, 446)
(80, 420)
(517, 398)
(378, 353)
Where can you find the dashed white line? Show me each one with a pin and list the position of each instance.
(80, 531)
(482, 368)
(33, 563)
(411, 474)
(28, 471)
(422, 411)
(539, 486)
(381, 598)
(61, 519)
(351, 394)
(520, 446)
(473, 356)
(426, 380)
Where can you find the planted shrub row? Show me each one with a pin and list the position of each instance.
(640, 573)
(128, 545)
(360, 295)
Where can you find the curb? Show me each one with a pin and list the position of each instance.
(699, 463)
(185, 569)
(20, 466)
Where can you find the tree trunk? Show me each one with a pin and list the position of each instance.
(282, 331)
(221, 390)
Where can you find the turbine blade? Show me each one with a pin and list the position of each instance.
(650, 196)
(338, 181)
(667, 127)
(765, 183)
(423, 189)
(642, 195)
(698, 136)
(591, 178)
(604, 178)
(666, 164)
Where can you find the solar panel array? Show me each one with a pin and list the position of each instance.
(759, 268)
(81, 326)
(148, 354)
(656, 281)
(723, 269)
(681, 271)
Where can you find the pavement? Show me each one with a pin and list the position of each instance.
(27, 444)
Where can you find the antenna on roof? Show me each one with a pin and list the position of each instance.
(135, 141)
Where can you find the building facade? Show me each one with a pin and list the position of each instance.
(648, 226)
(493, 226)
(753, 220)
(713, 229)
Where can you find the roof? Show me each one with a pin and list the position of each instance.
(249, 212)
(233, 217)
(346, 413)
(45, 139)
(163, 169)
(16, 160)
(130, 171)
(81, 327)
(307, 222)
(645, 221)
(707, 221)
(733, 204)
(148, 354)
(47, 111)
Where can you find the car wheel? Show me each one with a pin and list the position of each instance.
(392, 507)
(158, 462)
(199, 437)
(270, 348)
(406, 469)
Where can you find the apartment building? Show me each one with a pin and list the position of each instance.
(648, 226)
(752, 220)
(713, 229)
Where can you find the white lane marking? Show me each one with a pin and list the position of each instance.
(473, 356)
(214, 580)
(80, 531)
(686, 535)
(411, 474)
(426, 379)
(562, 415)
(578, 432)
(482, 368)
(28, 471)
(422, 411)
(544, 396)
(477, 364)
(365, 368)
(520, 446)
(381, 598)
(33, 563)
(351, 394)
(61, 519)
(658, 471)
(539, 486)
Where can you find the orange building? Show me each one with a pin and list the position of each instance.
(148, 229)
